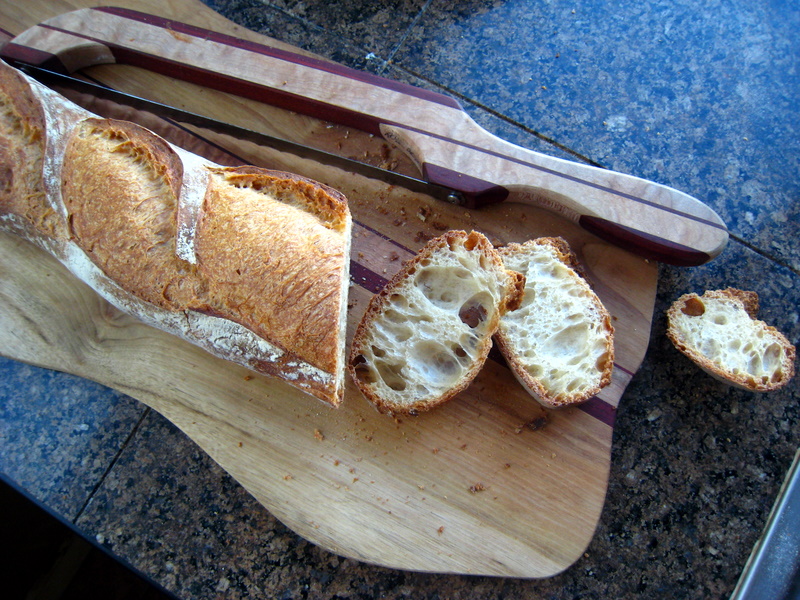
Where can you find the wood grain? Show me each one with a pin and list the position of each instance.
(442, 140)
(488, 484)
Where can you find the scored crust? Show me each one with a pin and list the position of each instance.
(424, 337)
(120, 185)
(560, 343)
(22, 148)
(142, 222)
(287, 284)
(720, 333)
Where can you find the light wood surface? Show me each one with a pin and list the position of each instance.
(489, 484)
(443, 141)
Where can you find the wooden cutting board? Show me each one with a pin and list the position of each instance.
(488, 484)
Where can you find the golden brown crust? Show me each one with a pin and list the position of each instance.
(283, 283)
(693, 305)
(120, 185)
(562, 248)
(514, 299)
(328, 204)
(22, 146)
(748, 299)
(129, 227)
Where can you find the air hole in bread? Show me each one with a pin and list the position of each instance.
(401, 334)
(475, 309)
(471, 242)
(772, 357)
(436, 363)
(535, 370)
(392, 375)
(569, 341)
(362, 370)
(398, 300)
(394, 316)
(693, 307)
(473, 312)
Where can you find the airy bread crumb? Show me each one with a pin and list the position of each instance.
(720, 333)
(425, 336)
(560, 342)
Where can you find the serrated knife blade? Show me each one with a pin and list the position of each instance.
(165, 111)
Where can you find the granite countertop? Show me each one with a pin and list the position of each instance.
(699, 96)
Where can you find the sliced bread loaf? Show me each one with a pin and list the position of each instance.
(719, 331)
(425, 336)
(560, 343)
(249, 264)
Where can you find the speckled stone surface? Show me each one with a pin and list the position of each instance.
(699, 96)
(59, 433)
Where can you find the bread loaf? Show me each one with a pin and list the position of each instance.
(560, 342)
(250, 264)
(719, 331)
(426, 334)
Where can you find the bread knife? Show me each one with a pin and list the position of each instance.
(449, 148)
(177, 115)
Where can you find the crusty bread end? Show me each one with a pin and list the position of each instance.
(720, 333)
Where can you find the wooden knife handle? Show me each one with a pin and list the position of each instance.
(449, 148)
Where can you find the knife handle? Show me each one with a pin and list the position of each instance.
(450, 149)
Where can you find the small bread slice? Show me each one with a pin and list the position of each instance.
(560, 342)
(719, 331)
(426, 334)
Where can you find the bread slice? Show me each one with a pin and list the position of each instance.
(560, 342)
(720, 333)
(249, 264)
(426, 334)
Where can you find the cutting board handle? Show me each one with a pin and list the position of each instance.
(652, 220)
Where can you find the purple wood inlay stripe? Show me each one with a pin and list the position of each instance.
(600, 410)
(383, 236)
(366, 278)
(31, 56)
(329, 112)
(572, 178)
(284, 55)
(653, 246)
(628, 372)
(232, 85)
